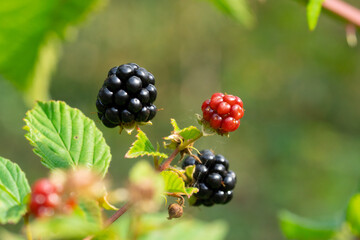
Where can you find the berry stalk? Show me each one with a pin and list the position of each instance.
(168, 161)
(27, 227)
(118, 213)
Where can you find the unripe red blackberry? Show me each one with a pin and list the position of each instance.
(223, 112)
(127, 96)
(212, 177)
(44, 199)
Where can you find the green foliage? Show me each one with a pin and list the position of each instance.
(313, 10)
(237, 9)
(14, 191)
(298, 228)
(142, 146)
(175, 184)
(189, 171)
(181, 138)
(33, 30)
(64, 137)
(353, 214)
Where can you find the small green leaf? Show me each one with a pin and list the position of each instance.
(191, 190)
(189, 171)
(14, 191)
(143, 147)
(190, 133)
(64, 137)
(175, 125)
(237, 9)
(104, 203)
(353, 214)
(175, 184)
(313, 10)
(295, 227)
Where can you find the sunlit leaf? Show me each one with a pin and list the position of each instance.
(313, 12)
(64, 137)
(174, 124)
(175, 184)
(31, 32)
(189, 171)
(298, 228)
(190, 133)
(14, 191)
(143, 147)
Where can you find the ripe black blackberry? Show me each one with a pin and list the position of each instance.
(212, 177)
(127, 96)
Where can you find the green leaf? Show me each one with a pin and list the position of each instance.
(175, 125)
(63, 227)
(65, 138)
(313, 10)
(237, 9)
(353, 214)
(175, 184)
(142, 146)
(189, 171)
(190, 133)
(295, 227)
(14, 191)
(33, 29)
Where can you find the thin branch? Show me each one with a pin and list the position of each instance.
(344, 10)
(118, 214)
(168, 161)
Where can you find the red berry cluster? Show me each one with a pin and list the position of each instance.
(223, 112)
(46, 199)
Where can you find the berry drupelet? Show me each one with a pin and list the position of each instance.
(223, 112)
(127, 96)
(212, 177)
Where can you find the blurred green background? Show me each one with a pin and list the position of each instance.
(298, 145)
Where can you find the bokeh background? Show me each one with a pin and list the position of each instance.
(298, 145)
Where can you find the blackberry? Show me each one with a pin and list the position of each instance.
(127, 96)
(212, 177)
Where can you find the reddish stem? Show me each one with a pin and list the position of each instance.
(344, 10)
(118, 214)
(168, 161)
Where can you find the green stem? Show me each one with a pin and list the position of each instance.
(27, 227)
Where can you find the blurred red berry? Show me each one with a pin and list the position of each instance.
(44, 198)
